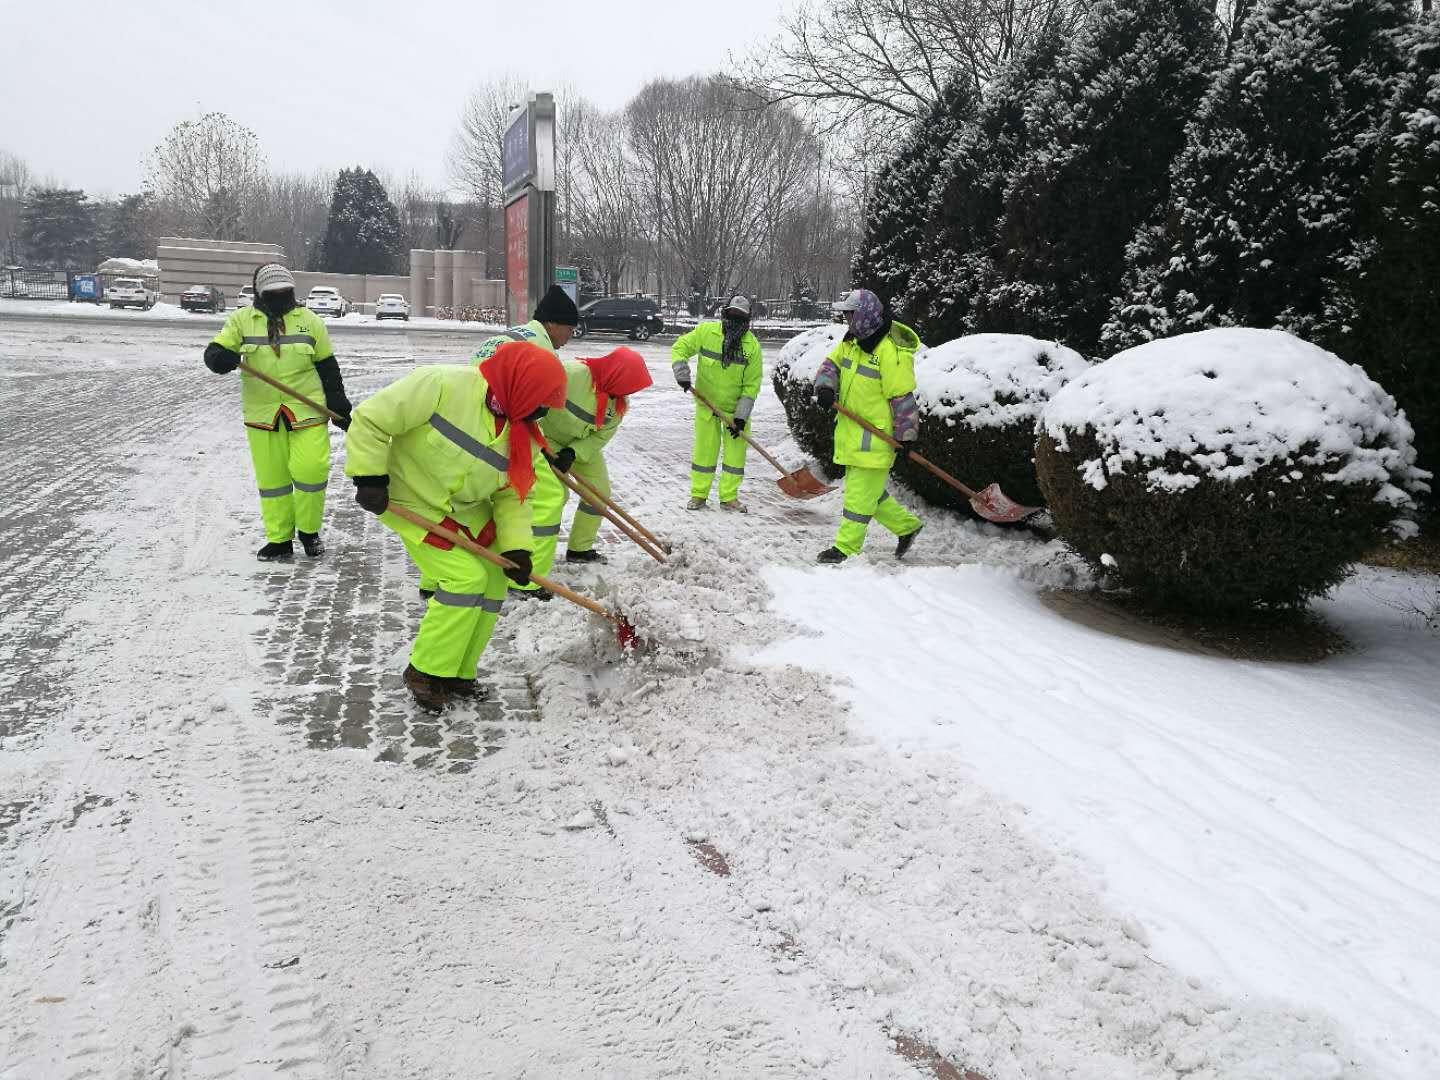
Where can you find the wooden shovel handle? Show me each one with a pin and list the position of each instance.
(744, 435)
(278, 385)
(489, 556)
(911, 454)
(607, 510)
(592, 495)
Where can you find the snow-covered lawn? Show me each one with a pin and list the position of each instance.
(827, 809)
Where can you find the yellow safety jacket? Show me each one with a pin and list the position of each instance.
(732, 388)
(443, 450)
(303, 344)
(577, 426)
(532, 331)
(868, 382)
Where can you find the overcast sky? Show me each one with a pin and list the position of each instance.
(91, 87)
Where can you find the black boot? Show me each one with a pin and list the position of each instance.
(312, 545)
(584, 556)
(273, 552)
(831, 555)
(903, 544)
(429, 691)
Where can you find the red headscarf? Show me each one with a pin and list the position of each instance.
(523, 377)
(617, 374)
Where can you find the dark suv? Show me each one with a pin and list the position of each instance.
(636, 316)
(202, 298)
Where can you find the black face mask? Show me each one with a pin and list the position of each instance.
(276, 301)
(537, 414)
(732, 350)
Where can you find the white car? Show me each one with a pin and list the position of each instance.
(324, 300)
(131, 292)
(245, 297)
(392, 305)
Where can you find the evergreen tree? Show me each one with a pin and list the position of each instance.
(124, 229)
(1101, 133)
(896, 216)
(1384, 314)
(1263, 196)
(57, 229)
(967, 199)
(363, 234)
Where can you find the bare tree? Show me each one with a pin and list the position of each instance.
(15, 183)
(892, 58)
(474, 158)
(289, 209)
(604, 215)
(204, 174)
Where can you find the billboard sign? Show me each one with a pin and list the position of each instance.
(517, 165)
(517, 258)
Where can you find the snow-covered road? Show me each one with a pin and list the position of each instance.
(229, 847)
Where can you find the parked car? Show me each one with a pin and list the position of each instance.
(637, 316)
(245, 297)
(324, 300)
(202, 298)
(392, 305)
(131, 292)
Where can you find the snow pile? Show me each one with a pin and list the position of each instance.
(1231, 401)
(133, 267)
(803, 354)
(993, 380)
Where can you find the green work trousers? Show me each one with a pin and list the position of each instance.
(291, 468)
(709, 434)
(866, 498)
(461, 616)
(547, 505)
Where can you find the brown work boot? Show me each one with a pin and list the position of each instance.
(466, 688)
(734, 506)
(429, 691)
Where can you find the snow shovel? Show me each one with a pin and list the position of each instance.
(611, 513)
(992, 504)
(800, 484)
(591, 494)
(624, 633)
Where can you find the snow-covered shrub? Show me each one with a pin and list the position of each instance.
(812, 427)
(1263, 197)
(1226, 469)
(1101, 132)
(1384, 315)
(979, 399)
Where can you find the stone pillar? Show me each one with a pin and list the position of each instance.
(444, 294)
(422, 269)
(467, 268)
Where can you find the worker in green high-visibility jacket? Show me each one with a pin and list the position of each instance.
(871, 371)
(727, 374)
(289, 440)
(552, 326)
(596, 401)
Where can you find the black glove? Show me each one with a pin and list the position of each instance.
(221, 360)
(825, 396)
(563, 460)
(683, 378)
(344, 422)
(373, 493)
(737, 427)
(521, 572)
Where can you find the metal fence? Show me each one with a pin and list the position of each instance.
(16, 284)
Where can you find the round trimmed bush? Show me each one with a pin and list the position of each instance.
(980, 397)
(1227, 469)
(812, 427)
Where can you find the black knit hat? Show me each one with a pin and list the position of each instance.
(557, 307)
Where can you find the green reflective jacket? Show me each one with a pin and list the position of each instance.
(732, 388)
(531, 331)
(431, 433)
(577, 426)
(867, 383)
(304, 343)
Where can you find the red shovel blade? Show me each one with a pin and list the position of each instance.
(992, 504)
(803, 484)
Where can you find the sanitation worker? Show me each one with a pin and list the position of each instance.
(457, 445)
(871, 372)
(289, 440)
(596, 401)
(727, 374)
(552, 326)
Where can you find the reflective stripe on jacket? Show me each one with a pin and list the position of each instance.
(577, 426)
(868, 382)
(304, 342)
(443, 450)
(730, 387)
(531, 331)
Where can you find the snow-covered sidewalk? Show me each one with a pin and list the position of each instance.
(838, 824)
